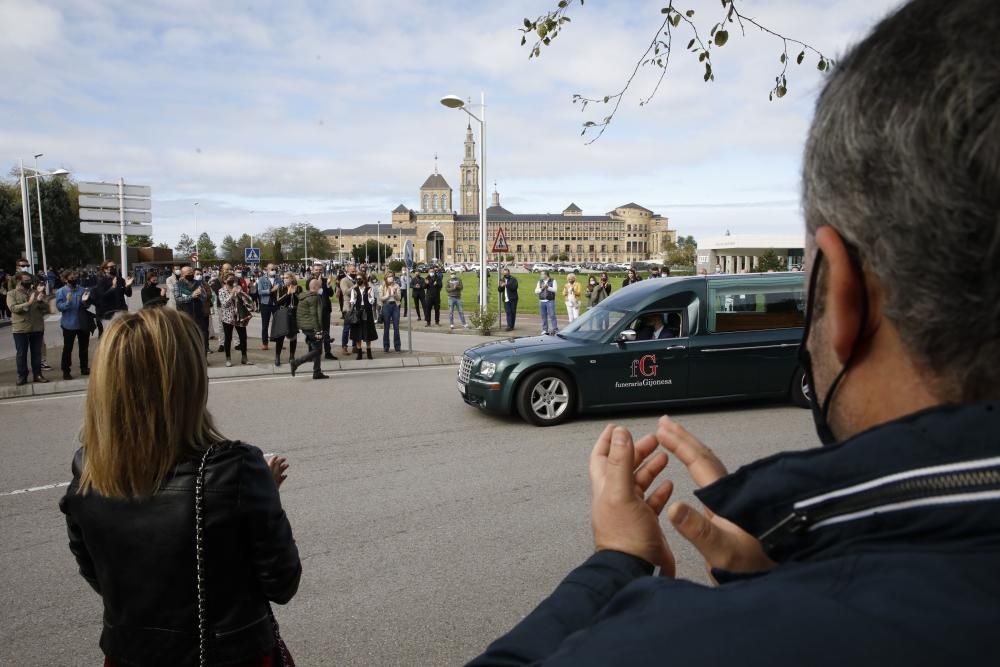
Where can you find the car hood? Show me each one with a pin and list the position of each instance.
(516, 346)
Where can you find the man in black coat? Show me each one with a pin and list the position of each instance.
(432, 300)
(507, 287)
(882, 548)
(417, 286)
(109, 294)
(326, 306)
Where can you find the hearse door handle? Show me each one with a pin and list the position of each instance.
(674, 348)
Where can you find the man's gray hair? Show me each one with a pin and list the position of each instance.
(903, 160)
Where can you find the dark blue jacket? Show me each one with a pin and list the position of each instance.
(889, 554)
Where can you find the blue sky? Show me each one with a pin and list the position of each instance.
(328, 112)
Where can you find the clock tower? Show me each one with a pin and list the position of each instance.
(469, 172)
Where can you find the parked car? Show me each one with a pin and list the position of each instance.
(570, 268)
(538, 268)
(457, 268)
(694, 339)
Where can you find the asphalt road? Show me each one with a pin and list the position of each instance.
(426, 528)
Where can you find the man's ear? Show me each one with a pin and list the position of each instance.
(842, 297)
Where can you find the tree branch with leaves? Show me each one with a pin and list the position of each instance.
(548, 26)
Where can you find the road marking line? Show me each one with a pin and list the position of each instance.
(256, 378)
(35, 488)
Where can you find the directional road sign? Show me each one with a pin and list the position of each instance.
(408, 254)
(143, 191)
(114, 215)
(500, 242)
(115, 229)
(93, 201)
(251, 255)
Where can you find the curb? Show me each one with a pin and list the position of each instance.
(219, 373)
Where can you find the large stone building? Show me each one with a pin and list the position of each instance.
(628, 233)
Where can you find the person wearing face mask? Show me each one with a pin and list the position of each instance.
(284, 326)
(235, 309)
(28, 306)
(152, 294)
(571, 295)
(417, 287)
(453, 288)
(191, 296)
(309, 318)
(347, 283)
(507, 288)
(879, 547)
(71, 299)
(325, 293)
(390, 295)
(597, 290)
(363, 331)
(267, 285)
(546, 291)
(432, 298)
(109, 294)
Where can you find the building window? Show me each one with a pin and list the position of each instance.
(566, 248)
(591, 248)
(543, 247)
(425, 202)
(531, 248)
(468, 178)
(604, 247)
(579, 247)
(615, 249)
(472, 249)
(519, 249)
(434, 202)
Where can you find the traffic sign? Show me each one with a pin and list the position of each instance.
(115, 229)
(500, 242)
(194, 257)
(112, 189)
(251, 255)
(408, 254)
(114, 215)
(93, 201)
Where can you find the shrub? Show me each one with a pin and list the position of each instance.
(396, 266)
(484, 319)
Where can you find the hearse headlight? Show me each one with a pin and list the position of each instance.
(487, 369)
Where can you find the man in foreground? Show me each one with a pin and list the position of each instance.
(881, 550)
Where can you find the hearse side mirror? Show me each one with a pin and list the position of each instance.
(626, 336)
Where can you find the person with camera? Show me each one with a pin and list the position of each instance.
(309, 318)
(235, 311)
(453, 288)
(28, 307)
(179, 530)
(71, 300)
(109, 294)
(598, 290)
(507, 287)
(362, 303)
(191, 296)
(879, 547)
(432, 296)
(285, 327)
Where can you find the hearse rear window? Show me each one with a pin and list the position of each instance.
(754, 304)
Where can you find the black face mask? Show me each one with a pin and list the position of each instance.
(72, 283)
(820, 412)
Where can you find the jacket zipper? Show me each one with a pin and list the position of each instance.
(931, 489)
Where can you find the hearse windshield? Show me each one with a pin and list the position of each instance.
(595, 324)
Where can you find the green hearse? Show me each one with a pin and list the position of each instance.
(658, 342)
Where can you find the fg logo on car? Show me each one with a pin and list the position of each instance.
(644, 374)
(645, 366)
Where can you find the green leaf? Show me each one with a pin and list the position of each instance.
(589, 123)
(527, 23)
(689, 13)
(782, 59)
(676, 20)
(563, 3)
(665, 10)
(780, 91)
(523, 40)
(721, 38)
(691, 43)
(702, 56)
(821, 65)
(606, 98)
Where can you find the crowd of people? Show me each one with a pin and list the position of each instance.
(878, 548)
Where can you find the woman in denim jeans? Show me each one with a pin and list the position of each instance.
(389, 295)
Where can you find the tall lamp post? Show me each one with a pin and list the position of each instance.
(455, 102)
(26, 210)
(197, 264)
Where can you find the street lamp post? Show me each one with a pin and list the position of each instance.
(26, 210)
(197, 254)
(455, 102)
(41, 223)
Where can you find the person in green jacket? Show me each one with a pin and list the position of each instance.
(309, 317)
(28, 307)
(454, 289)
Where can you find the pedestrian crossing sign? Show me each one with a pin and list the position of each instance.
(252, 255)
(500, 242)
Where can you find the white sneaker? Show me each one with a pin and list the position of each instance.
(465, 326)
(229, 364)
(452, 326)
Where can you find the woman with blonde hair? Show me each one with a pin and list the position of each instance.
(571, 293)
(390, 296)
(179, 530)
(284, 325)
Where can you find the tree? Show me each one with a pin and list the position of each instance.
(769, 261)
(206, 248)
(369, 252)
(682, 253)
(139, 241)
(185, 246)
(657, 54)
(229, 250)
(164, 245)
(563, 257)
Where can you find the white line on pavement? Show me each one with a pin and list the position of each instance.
(34, 488)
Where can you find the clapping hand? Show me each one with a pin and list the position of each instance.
(723, 544)
(624, 518)
(278, 465)
(128, 281)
